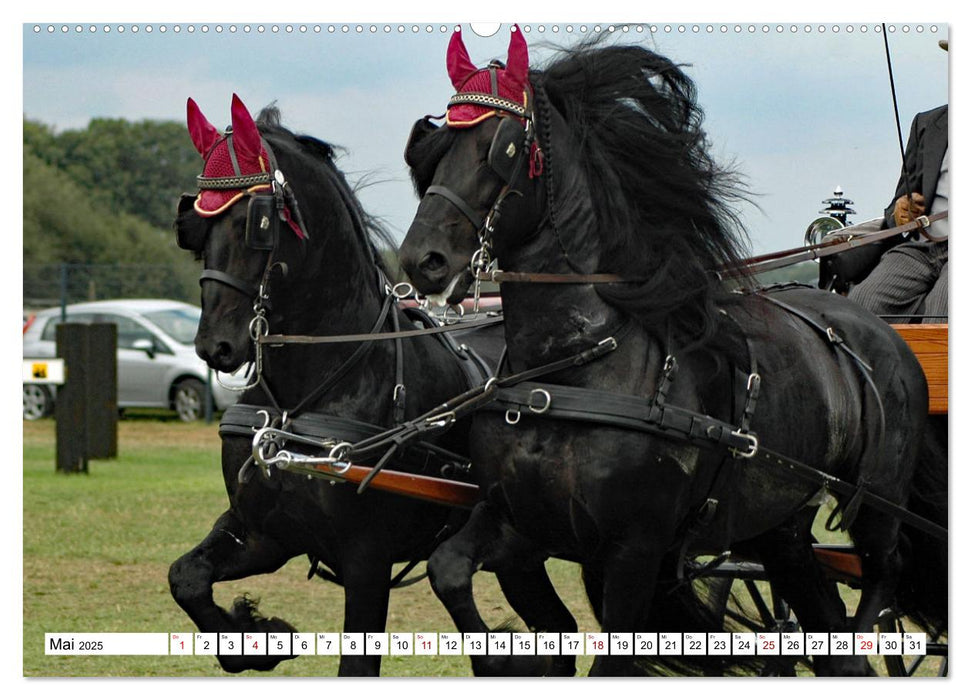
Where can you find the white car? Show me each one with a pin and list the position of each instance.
(157, 362)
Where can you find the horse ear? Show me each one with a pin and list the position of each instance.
(246, 137)
(460, 66)
(517, 58)
(203, 134)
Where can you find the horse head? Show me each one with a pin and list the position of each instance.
(245, 225)
(477, 176)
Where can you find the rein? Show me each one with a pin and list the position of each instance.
(431, 423)
(842, 241)
(278, 340)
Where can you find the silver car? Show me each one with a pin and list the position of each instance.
(157, 362)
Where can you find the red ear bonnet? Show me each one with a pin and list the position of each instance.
(509, 83)
(203, 134)
(460, 67)
(250, 156)
(246, 137)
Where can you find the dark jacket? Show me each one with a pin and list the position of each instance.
(922, 159)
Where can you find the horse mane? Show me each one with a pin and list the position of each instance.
(375, 237)
(663, 206)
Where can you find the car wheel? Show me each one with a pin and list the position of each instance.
(189, 399)
(37, 401)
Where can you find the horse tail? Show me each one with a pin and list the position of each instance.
(922, 592)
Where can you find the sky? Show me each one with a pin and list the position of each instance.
(800, 107)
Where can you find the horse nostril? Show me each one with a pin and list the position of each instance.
(223, 351)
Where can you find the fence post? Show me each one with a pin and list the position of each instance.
(64, 281)
(86, 410)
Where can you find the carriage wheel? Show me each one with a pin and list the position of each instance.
(773, 613)
(934, 663)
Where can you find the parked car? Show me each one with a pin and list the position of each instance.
(157, 362)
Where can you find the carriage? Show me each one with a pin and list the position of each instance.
(555, 436)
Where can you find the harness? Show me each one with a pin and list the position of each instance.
(656, 416)
(271, 427)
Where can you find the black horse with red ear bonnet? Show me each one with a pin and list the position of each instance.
(631, 461)
(267, 268)
(503, 91)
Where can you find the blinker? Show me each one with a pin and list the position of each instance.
(507, 149)
(262, 223)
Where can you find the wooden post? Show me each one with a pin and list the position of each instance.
(86, 409)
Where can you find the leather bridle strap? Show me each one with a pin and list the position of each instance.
(250, 290)
(459, 203)
(346, 366)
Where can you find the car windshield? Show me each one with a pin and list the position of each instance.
(180, 324)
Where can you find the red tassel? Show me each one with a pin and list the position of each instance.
(535, 161)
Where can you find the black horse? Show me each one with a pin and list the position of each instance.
(598, 165)
(314, 270)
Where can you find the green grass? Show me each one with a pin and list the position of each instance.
(97, 548)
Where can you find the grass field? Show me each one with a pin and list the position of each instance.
(97, 548)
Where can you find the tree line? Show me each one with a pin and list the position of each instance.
(106, 196)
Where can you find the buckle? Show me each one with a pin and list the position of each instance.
(753, 445)
(546, 395)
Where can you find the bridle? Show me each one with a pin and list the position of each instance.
(514, 145)
(264, 215)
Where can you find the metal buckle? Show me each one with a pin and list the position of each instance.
(545, 407)
(453, 314)
(753, 445)
(440, 420)
(669, 364)
(513, 416)
(611, 341)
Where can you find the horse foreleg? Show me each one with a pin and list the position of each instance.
(532, 595)
(480, 543)
(366, 574)
(790, 564)
(227, 554)
(629, 580)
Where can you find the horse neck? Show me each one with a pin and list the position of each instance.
(546, 322)
(333, 290)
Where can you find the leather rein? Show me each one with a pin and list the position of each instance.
(841, 242)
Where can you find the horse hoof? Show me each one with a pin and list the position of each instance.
(563, 667)
(238, 664)
(845, 666)
(511, 666)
